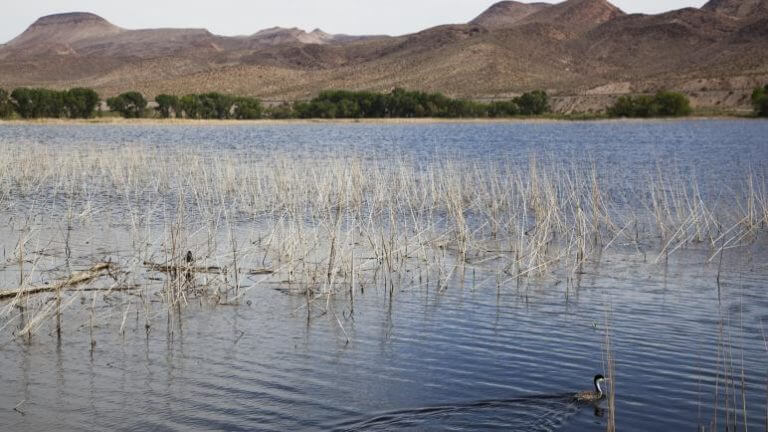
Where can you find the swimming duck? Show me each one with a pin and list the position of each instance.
(592, 396)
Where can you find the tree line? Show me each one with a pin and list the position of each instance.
(662, 104)
(332, 104)
(402, 103)
(39, 102)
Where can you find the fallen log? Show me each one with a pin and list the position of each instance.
(180, 268)
(184, 268)
(74, 279)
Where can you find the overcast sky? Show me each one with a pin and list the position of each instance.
(233, 17)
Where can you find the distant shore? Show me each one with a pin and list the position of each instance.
(382, 121)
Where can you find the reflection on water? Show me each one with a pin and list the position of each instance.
(469, 350)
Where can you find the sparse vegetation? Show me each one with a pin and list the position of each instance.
(760, 101)
(663, 104)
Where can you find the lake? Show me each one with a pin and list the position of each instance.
(371, 277)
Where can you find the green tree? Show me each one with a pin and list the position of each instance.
(533, 103)
(38, 102)
(81, 102)
(404, 103)
(760, 101)
(282, 111)
(129, 105)
(168, 105)
(24, 102)
(629, 106)
(216, 106)
(247, 108)
(191, 106)
(663, 104)
(503, 109)
(6, 107)
(671, 104)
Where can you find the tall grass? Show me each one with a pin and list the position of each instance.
(324, 225)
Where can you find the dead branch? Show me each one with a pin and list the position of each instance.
(74, 279)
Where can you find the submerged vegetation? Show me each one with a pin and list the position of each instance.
(324, 225)
(193, 227)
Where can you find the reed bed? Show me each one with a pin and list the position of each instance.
(199, 226)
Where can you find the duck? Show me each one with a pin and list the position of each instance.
(592, 396)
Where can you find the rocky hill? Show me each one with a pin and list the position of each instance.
(584, 51)
(507, 13)
(738, 8)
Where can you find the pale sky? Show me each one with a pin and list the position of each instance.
(240, 17)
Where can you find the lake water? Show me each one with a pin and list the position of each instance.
(465, 351)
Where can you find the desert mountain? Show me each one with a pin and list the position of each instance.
(584, 51)
(576, 16)
(738, 8)
(507, 13)
(278, 36)
(55, 34)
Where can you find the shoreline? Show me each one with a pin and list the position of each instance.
(370, 121)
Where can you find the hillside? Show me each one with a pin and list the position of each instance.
(507, 13)
(576, 16)
(743, 9)
(586, 52)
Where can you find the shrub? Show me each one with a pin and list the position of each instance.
(282, 111)
(129, 104)
(760, 101)
(663, 104)
(629, 106)
(503, 109)
(672, 104)
(247, 108)
(533, 103)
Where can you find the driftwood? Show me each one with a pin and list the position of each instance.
(74, 279)
(184, 268)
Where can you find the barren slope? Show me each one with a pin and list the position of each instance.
(507, 13)
(738, 8)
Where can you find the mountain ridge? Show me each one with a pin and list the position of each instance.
(589, 49)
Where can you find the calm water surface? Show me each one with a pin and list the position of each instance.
(470, 357)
